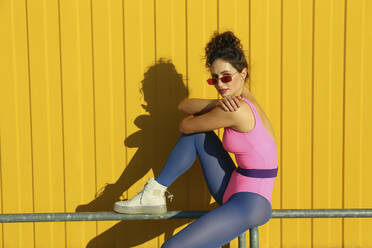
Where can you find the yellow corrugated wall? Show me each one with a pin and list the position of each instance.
(88, 100)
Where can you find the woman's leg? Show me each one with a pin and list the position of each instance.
(216, 163)
(242, 211)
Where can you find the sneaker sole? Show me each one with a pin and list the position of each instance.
(141, 209)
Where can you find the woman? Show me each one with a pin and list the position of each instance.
(243, 193)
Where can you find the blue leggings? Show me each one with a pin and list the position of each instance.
(242, 211)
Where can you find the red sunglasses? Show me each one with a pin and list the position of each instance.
(224, 79)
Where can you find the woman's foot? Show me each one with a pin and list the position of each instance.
(151, 200)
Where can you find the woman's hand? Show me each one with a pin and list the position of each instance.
(230, 103)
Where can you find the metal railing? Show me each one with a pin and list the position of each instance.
(253, 232)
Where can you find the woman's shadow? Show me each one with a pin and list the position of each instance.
(162, 88)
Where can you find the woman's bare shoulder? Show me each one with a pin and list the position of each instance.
(246, 117)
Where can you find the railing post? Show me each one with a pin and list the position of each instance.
(253, 237)
(242, 240)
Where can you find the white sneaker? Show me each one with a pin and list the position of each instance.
(150, 200)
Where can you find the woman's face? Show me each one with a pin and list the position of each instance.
(220, 68)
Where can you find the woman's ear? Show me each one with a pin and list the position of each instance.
(244, 73)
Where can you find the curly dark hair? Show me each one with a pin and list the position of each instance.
(226, 46)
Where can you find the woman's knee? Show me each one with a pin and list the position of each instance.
(199, 136)
(255, 221)
(258, 215)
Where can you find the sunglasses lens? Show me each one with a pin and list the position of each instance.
(226, 79)
(211, 81)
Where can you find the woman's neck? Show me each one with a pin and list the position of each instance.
(246, 93)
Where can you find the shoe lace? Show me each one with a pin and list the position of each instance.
(170, 196)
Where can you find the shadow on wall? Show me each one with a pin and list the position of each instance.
(162, 89)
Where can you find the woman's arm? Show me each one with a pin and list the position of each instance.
(197, 106)
(214, 119)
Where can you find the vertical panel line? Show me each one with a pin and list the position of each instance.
(267, 52)
(187, 45)
(362, 48)
(48, 97)
(218, 15)
(94, 104)
(312, 124)
(111, 86)
(30, 109)
(218, 30)
(187, 74)
(125, 81)
(281, 119)
(156, 101)
(172, 41)
(62, 117)
(250, 41)
(343, 126)
(155, 45)
(79, 91)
